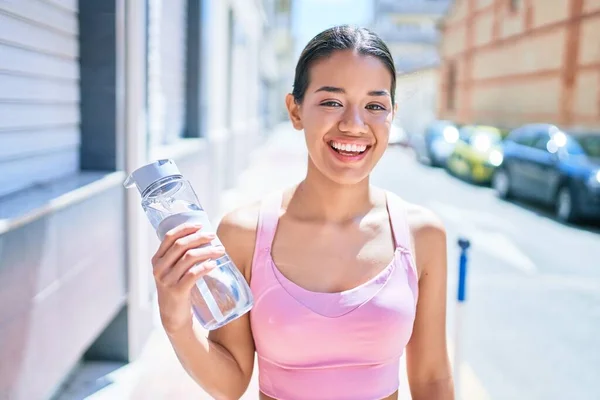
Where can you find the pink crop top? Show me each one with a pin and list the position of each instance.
(331, 346)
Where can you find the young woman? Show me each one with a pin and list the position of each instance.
(345, 276)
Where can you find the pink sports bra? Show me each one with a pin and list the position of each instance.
(331, 346)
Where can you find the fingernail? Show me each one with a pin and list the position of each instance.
(211, 264)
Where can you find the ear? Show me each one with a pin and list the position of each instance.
(395, 108)
(294, 112)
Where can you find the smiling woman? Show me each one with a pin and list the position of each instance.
(345, 276)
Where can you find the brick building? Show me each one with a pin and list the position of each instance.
(509, 62)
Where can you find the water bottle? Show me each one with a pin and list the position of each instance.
(168, 201)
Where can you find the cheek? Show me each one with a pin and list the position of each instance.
(381, 119)
(321, 117)
(317, 123)
(380, 125)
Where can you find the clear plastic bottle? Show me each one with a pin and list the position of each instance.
(168, 201)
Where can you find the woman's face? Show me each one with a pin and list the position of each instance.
(346, 115)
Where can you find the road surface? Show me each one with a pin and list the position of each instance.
(532, 324)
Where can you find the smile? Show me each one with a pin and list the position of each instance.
(348, 152)
(347, 148)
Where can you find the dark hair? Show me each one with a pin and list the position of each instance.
(338, 38)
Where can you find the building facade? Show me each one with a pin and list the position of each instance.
(279, 63)
(410, 30)
(89, 91)
(511, 62)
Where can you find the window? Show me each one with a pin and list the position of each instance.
(166, 64)
(573, 147)
(523, 137)
(541, 142)
(465, 133)
(515, 5)
(590, 145)
(479, 136)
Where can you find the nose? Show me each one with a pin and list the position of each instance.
(352, 121)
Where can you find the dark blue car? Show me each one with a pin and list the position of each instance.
(555, 167)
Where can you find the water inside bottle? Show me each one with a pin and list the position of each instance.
(217, 299)
(220, 296)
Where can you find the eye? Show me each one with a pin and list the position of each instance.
(331, 104)
(375, 107)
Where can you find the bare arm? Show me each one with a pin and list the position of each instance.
(222, 361)
(428, 366)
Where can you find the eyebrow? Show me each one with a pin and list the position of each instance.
(333, 89)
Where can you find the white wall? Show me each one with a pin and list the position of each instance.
(416, 96)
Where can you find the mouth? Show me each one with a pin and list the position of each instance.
(347, 149)
(348, 152)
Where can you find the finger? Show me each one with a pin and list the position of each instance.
(181, 246)
(174, 234)
(189, 279)
(189, 260)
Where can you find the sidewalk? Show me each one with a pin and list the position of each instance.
(157, 375)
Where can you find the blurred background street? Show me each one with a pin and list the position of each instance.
(498, 132)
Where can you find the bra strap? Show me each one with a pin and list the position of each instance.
(399, 222)
(267, 223)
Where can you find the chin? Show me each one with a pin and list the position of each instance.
(344, 175)
(346, 181)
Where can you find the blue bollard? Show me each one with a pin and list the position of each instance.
(464, 245)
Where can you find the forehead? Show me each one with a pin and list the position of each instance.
(347, 68)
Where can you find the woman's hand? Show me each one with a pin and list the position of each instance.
(184, 255)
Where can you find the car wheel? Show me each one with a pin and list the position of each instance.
(501, 183)
(565, 205)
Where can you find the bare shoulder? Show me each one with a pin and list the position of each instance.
(424, 224)
(428, 235)
(237, 232)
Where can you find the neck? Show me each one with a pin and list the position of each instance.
(319, 198)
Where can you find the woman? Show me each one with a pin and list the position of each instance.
(336, 266)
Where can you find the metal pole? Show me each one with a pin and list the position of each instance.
(464, 245)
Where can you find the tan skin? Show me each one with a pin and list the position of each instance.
(336, 214)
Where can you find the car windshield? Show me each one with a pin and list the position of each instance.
(438, 127)
(469, 133)
(590, 144)
(479, 135)
(493, 135)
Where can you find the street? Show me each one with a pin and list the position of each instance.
(533, 285)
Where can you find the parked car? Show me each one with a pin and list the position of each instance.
(552, 166)
(436, 143)
(476, 154)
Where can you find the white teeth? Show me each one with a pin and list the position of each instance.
(355, 148)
